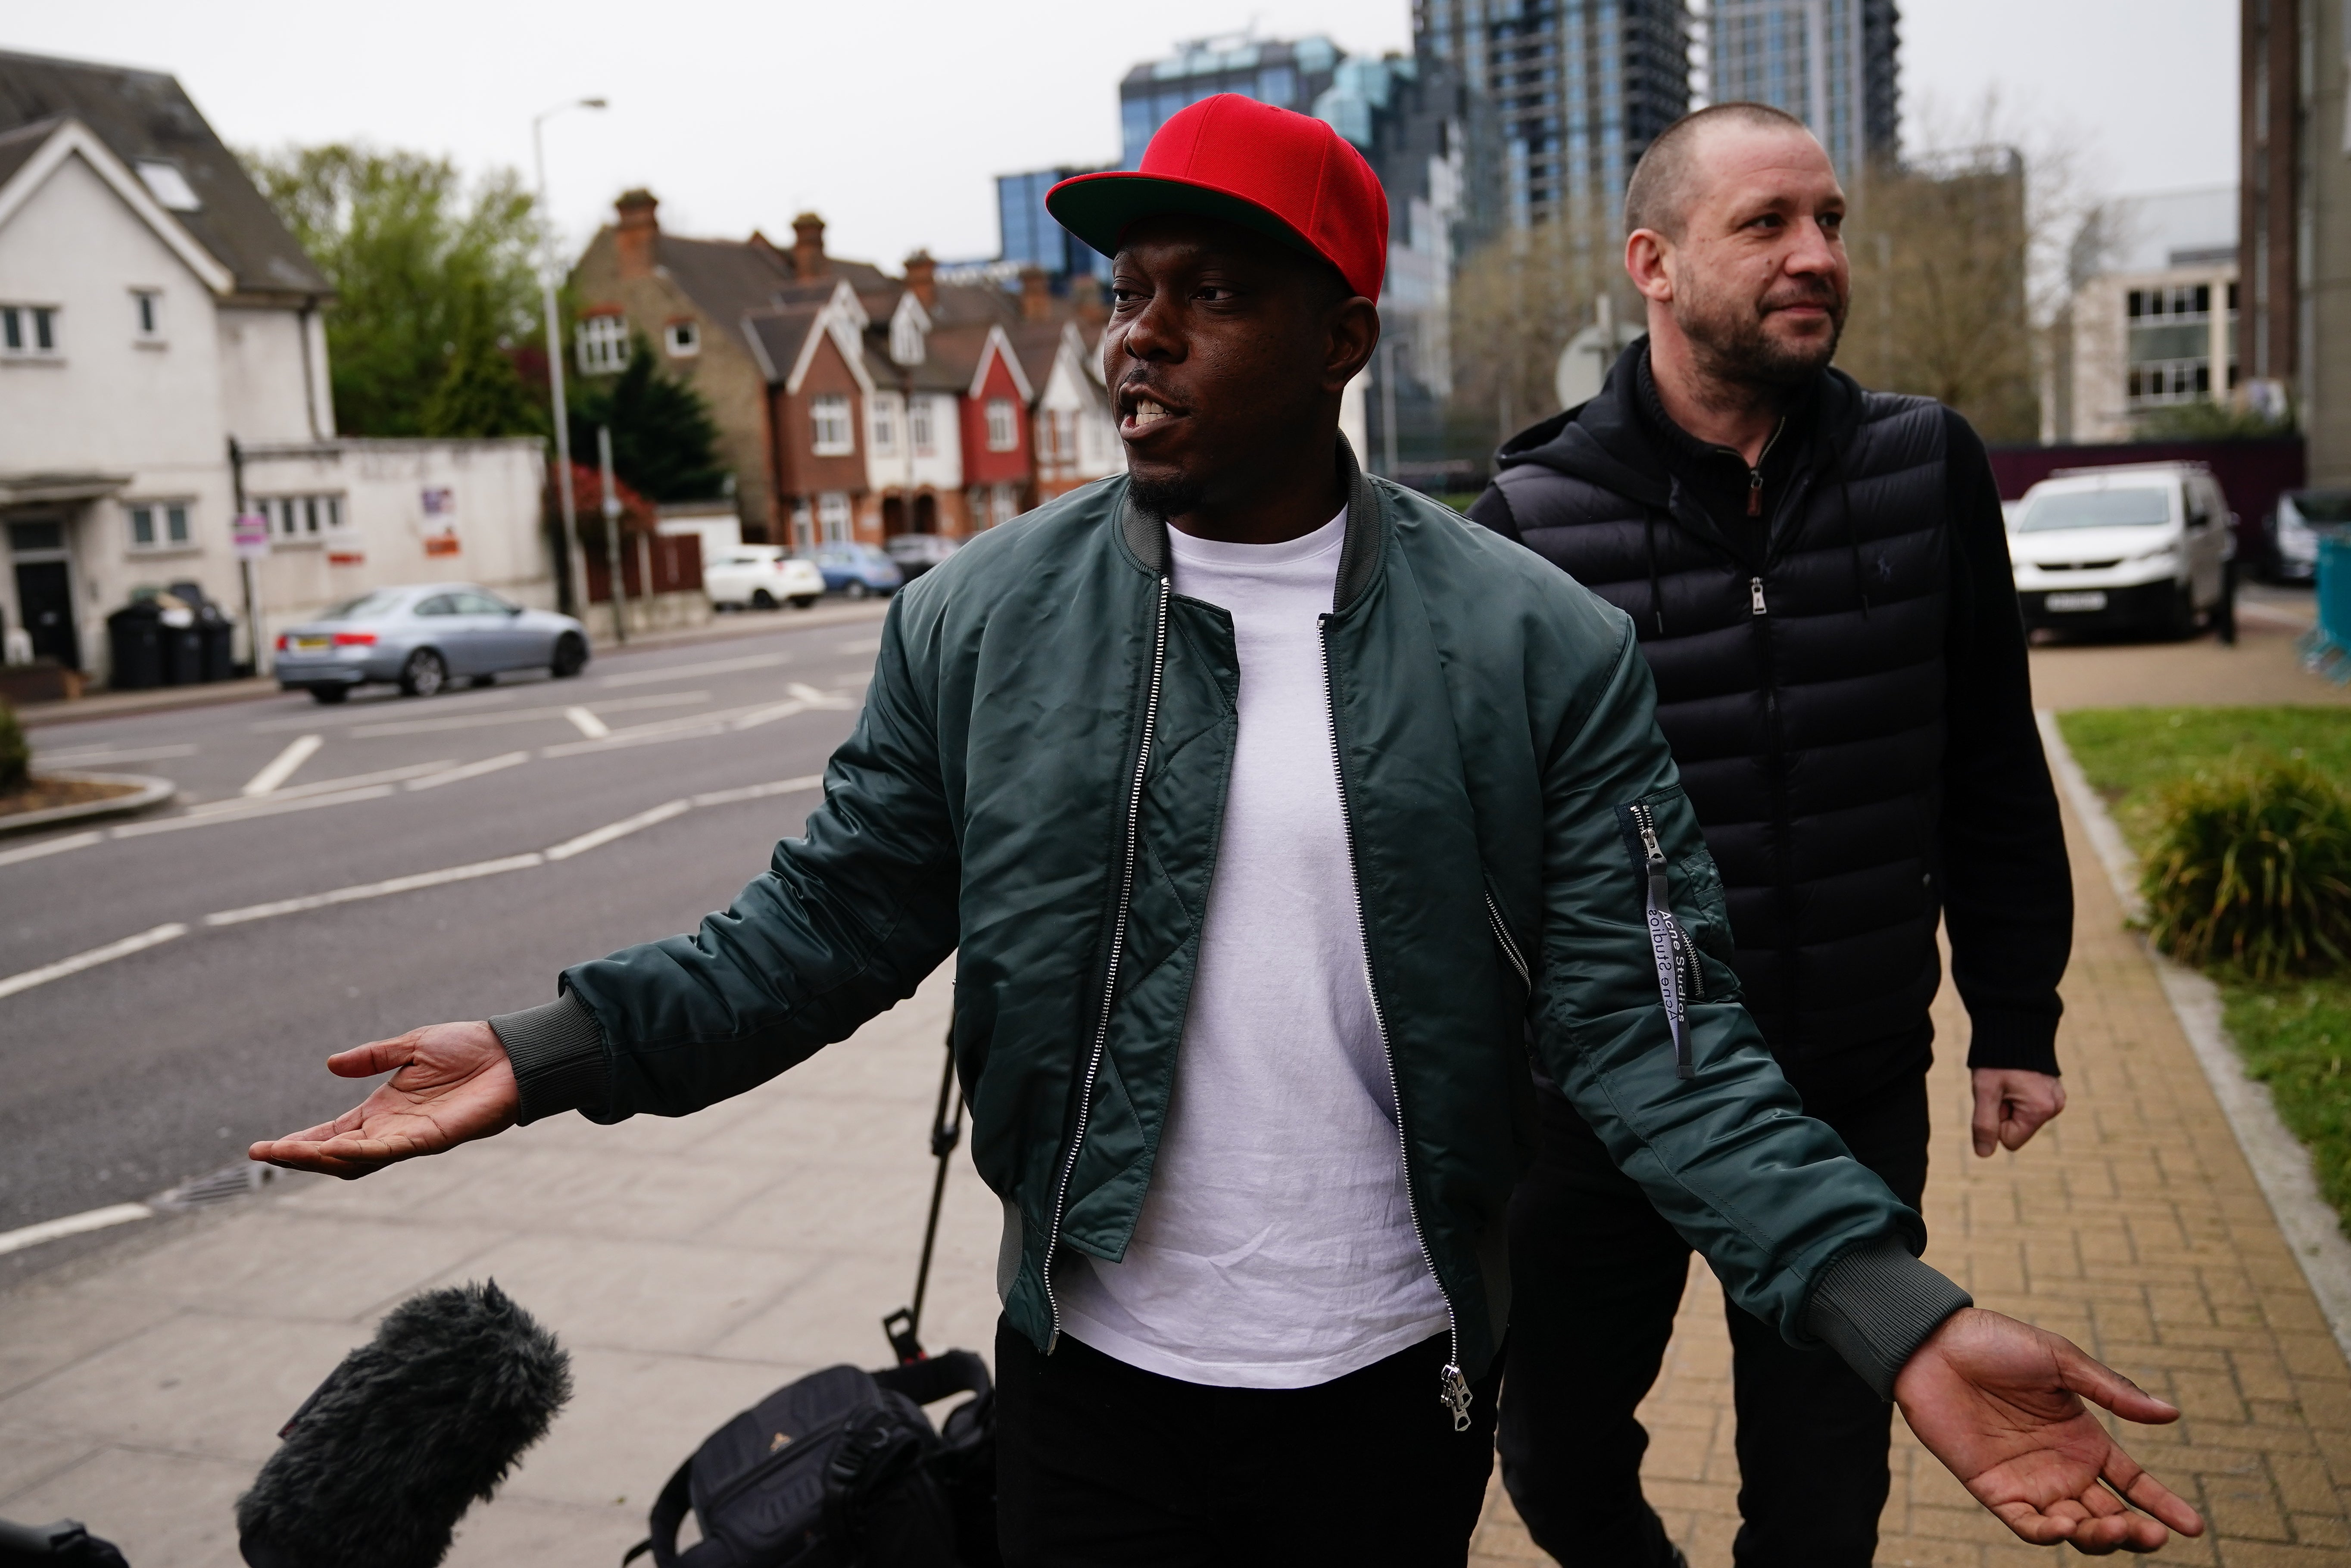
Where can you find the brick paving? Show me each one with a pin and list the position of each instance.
(2133, 1226)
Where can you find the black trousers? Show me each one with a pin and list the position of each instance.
(1098, 1462)
(1596, 1279)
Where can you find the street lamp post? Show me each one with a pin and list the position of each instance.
(574, 589)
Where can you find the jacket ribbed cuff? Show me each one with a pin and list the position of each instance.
(1876, 1306)
(2024, 1041)
(559, 1058)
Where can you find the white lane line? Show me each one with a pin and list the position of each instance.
(235, 804)
(375, 890)
(281, 767)
(759, 791)
(72, 1225)
(83, 756)
(690, 671)
(470, 770)
(587, 723)
(600, 837)
(773, 711)
(524, 715)
(685, 727)
(274, 808)
(90, 959)
(862, 645)
(54, 846)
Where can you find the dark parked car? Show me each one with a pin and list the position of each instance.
(854, 571)
(422, 638)
(2289, 540)
(918, 553)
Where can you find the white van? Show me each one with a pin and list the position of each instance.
(2149, 546)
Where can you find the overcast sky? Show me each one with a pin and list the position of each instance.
(892, 119)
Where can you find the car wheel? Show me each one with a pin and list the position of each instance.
(424, 674)
(2224, 614)
(570, 656)
(803, 601)
(2179, 619)
(761, 599)
(329, 695)
(855, 590)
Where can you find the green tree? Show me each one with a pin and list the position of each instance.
(663, 439)
(431, 278)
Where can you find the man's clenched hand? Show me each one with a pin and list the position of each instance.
(2011, 1104)
(2000, 1403)
(450, 1084)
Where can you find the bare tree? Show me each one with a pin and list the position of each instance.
(1516, 300)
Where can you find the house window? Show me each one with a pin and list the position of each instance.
(1004, 504)
(168, 185)
(886, 424)
(1003, 435)
(603, 345)
(834, 435)
(832, 516)
(147, 314)
(295, 517)
(919, 418)
(29, 331)
(682, 338)
(159, 525)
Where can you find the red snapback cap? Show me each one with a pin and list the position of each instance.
(1281, 173)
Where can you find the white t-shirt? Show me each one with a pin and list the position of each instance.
(1275, 1249)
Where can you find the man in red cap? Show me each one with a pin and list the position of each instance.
(1269, 811)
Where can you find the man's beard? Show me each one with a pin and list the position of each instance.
(1164, 499)
(1727, 340)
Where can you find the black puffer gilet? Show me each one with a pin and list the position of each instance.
(1802, 693)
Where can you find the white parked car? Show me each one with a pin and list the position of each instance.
(2149, 546)
(761, 577)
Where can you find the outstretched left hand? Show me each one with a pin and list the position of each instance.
(2000, 1403)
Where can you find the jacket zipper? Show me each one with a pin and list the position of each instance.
(1755, 476)
(1664, 929)
(1510, 948)
(1117, 947)
(1453, 1388)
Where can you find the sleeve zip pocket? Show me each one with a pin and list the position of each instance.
(1509, 947)
(1679, 973)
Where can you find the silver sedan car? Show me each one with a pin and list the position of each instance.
(422, 638)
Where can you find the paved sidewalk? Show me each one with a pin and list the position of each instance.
(2133, 1226)
(690, 1266)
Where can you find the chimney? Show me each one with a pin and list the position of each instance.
(1086, 300)
(920, 271)
(1036, 294)
(808, 246)
(639, 234)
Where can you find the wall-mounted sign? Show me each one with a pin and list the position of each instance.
(249, 532)
(440, 521)
(441, 544)
(346, 558)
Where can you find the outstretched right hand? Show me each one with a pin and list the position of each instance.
(450, 1084)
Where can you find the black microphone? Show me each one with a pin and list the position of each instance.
(387, 1454)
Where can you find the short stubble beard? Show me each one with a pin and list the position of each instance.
(1730, 344)
(1165, 500)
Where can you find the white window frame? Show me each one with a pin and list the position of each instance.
(921, 426)
(603, 345)
(882, 413)
(31, 332)
(832, 431)
(683, 340)
(1003, 505)
(1003, 426)
(167, 523)
(147, 318)
(302, 519)
(835, 525)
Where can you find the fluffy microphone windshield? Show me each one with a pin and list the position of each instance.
(383, 1459)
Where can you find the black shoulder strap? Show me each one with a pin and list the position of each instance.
(949, 1373)
(668, 1513)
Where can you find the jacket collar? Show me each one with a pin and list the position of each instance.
(1360, 556)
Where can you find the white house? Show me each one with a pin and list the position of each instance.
(1077, 429)
(162, 361)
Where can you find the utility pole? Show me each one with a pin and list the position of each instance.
(613, 533)
(244, 564)
(574, 577)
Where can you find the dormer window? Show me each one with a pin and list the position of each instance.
(682, 338)
(907, 327)
(168, 185)
(603, 346)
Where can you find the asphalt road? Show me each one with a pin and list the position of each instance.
(567, 818)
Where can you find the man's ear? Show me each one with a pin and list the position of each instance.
(1352, 333)
(1649, 263)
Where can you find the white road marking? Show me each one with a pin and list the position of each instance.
(72, 1225)
(471, 770)
(85, 756)
(90, 959)
(274, 808)
(621, 829)
(587, 723)
(375, 890)
(522, 715)
(234, 805)
(862, 645)
(54, 846)
(760, 791)
(282, 766)
(688, 671)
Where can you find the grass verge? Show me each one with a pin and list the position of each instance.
(2294, 1035)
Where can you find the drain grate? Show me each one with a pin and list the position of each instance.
(223, 1186)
